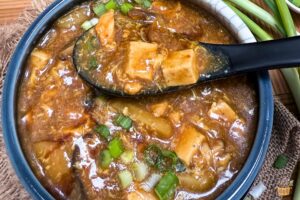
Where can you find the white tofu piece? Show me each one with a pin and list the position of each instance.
(188, 143)
(180, 68)
(222, 111)
(141, 60)
(105, 28)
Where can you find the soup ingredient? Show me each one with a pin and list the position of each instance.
(281, 161)
(127, 157)
(105, 159)
(160, 126)
(123, 121)
(181, 68)
(286, 17)
(115, 148)
(165, 189)
(149, 184)
(163, 160)
(125, 178)
(125, 8)
(105, 28)
(140, 171)
(103, 131)
(99, 8)
(89, 24)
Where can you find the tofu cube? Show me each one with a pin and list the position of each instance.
(222, 111)
(141, 60)
(188, 143)
(181, 68)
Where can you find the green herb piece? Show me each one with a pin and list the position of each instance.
(103, 131)
(296, 3)
(111, 5)
(166, 187)
(99, 9)
(92, 63)
(280, 162)
(127, 157)
(86, 25)
(147, 3)
(115, 148)
(140, 171)
(139, 1)
(126, 7)
(123, 121)
(105, 159)
(125, 178)
(152, 154)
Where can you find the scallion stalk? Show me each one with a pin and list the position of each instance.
(115, 148)
(286, 17)
(125, 178)
(105, 159)
(260, 13)
(166, 187)
(111, 5)
(103, 131)
(99, 9)
(125, 8)
(255, 28)
(123, 121)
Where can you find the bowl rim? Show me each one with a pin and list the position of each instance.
(237, 188)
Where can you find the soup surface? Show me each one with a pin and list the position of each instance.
(82, 144)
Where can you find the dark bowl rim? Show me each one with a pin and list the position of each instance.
(237, 188)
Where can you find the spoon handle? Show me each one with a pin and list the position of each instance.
(266, 55)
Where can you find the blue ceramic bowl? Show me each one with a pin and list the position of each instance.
(236, 190)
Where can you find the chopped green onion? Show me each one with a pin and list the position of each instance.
(138, 1)
(255, 29)
(105, 159)
(125, 178)
(99, 9)
(126, 7)
(123, 121)
(92, 63)
(103, 131)
(140, 171)
(152, 154)
(281, 161)
(115, 148)
(259, 13)
(166, 187)
(147, 3)
(111, 5)
(86, 25)
(127, 157)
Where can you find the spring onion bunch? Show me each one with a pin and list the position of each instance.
(281, 21)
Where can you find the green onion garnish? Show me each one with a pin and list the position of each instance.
(103, 131)
(126, 7)
(166, 187)
(125, 178)
(105, 159)
(92, 63)
(111, 5)
(123, 121)
(147, 3)
(127, 157)
(99, 9)
(280, 162)
(115, 148)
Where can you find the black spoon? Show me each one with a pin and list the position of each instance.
(236, 59)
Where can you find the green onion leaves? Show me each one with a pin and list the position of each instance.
(115, 148)
(103, 131)
(163, 160)
(123, 121)
(105, 159)
(166, 187)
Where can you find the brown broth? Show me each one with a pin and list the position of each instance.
(58, 113)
